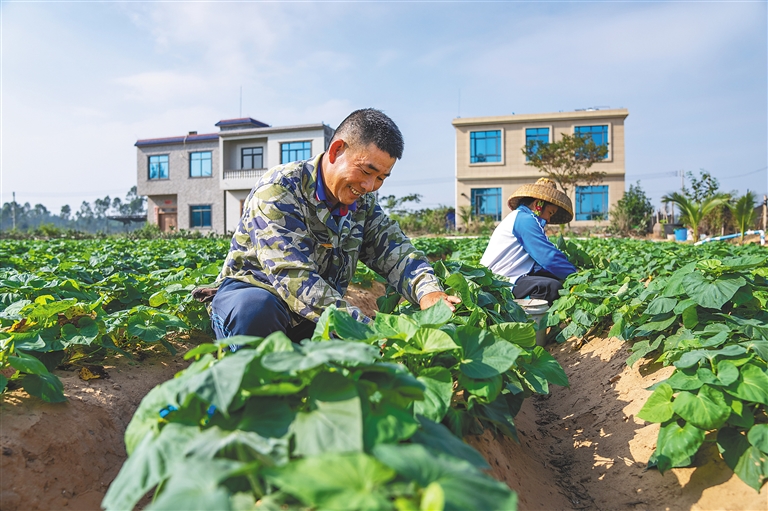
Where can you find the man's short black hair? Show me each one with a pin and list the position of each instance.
(371, 126)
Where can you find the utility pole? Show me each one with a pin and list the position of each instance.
(765, 211)
(13, 211)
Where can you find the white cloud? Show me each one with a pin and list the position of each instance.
(112, 73)
(161, 86)
(632, 48)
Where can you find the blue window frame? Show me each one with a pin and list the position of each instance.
(200, 216)
(485, 146)
(295, 151)
(538, 135)
(158, 166)
(598, 134)
(200, 164)
(486, 202)
(592, 202)
(252, 158)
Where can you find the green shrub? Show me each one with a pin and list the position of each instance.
(633, 213)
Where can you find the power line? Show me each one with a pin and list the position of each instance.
(417, 182)
(70, 194)
(671, 173)
(746, 174)
(655, 175)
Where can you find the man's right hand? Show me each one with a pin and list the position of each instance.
(429, 299)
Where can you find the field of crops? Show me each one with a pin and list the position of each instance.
(372, 416)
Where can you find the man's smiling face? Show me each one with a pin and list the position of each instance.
(351, 171)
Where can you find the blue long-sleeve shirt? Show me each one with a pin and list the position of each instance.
(519, 246)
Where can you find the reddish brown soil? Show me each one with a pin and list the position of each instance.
(581, 448)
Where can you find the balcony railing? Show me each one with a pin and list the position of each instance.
(244, 174)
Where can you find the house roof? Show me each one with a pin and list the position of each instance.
(230, 128)
(175, 140)
(243, 121)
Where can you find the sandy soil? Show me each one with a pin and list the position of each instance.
(612, 446)
(581, 448)
(65, 455)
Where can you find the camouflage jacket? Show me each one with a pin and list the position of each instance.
(289, 243)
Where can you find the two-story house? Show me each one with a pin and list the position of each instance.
(490, 164)
(200, 181)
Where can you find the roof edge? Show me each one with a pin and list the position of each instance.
(554, 116)
(175, 140)
(272, 129)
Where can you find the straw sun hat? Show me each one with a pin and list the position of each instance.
(545, 189)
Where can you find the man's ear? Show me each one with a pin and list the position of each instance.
(336, 149)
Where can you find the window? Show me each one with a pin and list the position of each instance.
(537, 135)
(486, 202)
(592, 202)
(158, 167)
(200, 164)
(200, 216)
(295, 151)
(252, 158)
(485, 146)
(599, 134)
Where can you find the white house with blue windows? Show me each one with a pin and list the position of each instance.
(200, 181)
(491, 165)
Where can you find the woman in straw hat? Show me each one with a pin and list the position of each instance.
(519, 248)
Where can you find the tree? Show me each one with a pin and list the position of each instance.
(134, 204)
(66, 211)
(40, 211)
(633, 212)
(567, 161)
(692, 211)
(394, 205)
(23, 216)
(466, 215)
(85, 214)
(703, 188)
(100, 206)
(117, 205)
(744, 213)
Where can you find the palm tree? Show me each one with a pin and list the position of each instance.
(691, 211)
(466, 216)
(744, 213)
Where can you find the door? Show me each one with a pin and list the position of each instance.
(167, 222)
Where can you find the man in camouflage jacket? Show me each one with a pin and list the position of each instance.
(304, 227)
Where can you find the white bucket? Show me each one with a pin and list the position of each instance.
(536, 310)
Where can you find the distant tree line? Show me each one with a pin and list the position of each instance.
(88, 218)
(440, 220)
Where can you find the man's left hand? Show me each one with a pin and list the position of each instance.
(430, 299)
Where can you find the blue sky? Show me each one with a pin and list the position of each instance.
(82, 81)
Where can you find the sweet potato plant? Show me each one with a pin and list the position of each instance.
(358, 417)
(701, 309)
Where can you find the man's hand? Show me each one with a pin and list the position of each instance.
(430, 299)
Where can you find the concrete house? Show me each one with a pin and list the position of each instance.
(490, 164)
(200, 181)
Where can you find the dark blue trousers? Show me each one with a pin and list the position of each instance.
(238, 308)
(541, 285)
